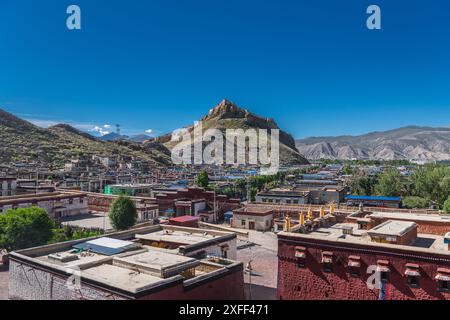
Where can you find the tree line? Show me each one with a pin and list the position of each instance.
(427, 185)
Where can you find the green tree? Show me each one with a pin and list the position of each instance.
(389, 184)
(347, 169)
(203, 179)
(415, 202)
(25, 228)
(447, 205)
(431, 182)
(363, 186)
(253, 192)
(122, 213)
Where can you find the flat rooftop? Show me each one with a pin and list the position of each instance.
(411, 216)
(179, 236)
(393, 228)
(132, 186)
(136, 269)
(425, 243)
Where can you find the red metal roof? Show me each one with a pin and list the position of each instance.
(184, 219)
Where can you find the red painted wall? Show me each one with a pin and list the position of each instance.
(312, 283)
(230, 287)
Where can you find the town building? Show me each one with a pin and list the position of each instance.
(208, 206)
(373, 201)
(318, 195)
(283, 195)
(427, 223)
(8, 186)
(133, 190)
(128, 266)
(328, 258)
(147, 208)
(253, 218)
(184, 221)
(57, 204)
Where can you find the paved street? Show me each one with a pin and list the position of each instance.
(261, 249)
(94, 220)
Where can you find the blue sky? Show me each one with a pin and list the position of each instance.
(313, 66)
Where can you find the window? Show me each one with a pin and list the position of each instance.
(383, 269)
(413, 274)
(301, 263)
(300, 254)
(242, 222)
(81, 200)
(354, 272)
(277, 200)
(327, 261)
(384, 275)
(295, 201)
(288, 201)
(413, 281)
(70, 201)
(328, 267)
(354, 266)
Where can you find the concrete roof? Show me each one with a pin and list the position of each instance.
(411, 216)
(424, 243)
(133, 272)
(157, 263)
(181, 237)
(393, 228)
(121, 277)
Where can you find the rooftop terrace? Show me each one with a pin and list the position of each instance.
(125, 264)
(338, 233)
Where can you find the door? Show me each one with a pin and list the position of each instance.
(251, 225)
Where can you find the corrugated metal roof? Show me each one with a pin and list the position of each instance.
(372, 198)
(106, 246)
(184, 219)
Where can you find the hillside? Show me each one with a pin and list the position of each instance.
(20, 140)
(413, 142)
(227, 115)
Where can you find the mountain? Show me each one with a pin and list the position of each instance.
(21, 140)
(227, 115)
(140, 138)
(412, 142)
(113, 137)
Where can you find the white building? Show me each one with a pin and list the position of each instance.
(57, 204)
(8, 186)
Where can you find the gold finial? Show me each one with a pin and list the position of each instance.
(287, 223)
(310, 214)
(302, 219)
(332, 209)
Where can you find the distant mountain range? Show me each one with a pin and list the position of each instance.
(22, 141)
(114, 136)
(412, 142)
(227, 115)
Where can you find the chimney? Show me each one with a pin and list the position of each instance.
(447, 240)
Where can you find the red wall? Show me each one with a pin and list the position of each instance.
(312, 283)
(230, 287)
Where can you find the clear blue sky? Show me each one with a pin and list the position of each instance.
(313, 66)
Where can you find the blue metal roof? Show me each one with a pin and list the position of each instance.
(372, 198)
